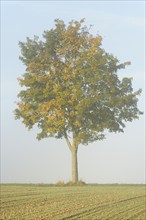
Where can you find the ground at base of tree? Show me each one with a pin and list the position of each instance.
(52, 202)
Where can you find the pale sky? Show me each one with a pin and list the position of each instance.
(118, 159)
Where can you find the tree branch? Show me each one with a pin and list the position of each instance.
(67, 141)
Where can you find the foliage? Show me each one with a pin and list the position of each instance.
(71, 86)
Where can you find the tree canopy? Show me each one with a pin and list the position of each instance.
(71, 86)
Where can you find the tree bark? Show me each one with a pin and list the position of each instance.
(73, 148)
(74, 166)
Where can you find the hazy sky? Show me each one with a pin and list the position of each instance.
(118, 159)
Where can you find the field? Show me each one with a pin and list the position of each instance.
(44, 202)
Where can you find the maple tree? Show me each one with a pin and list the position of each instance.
(71, 88)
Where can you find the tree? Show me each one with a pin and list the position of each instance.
(71, 88)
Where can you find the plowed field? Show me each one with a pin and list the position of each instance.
(89, 202)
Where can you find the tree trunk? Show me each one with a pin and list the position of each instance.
(74, 166)
(73, 148)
